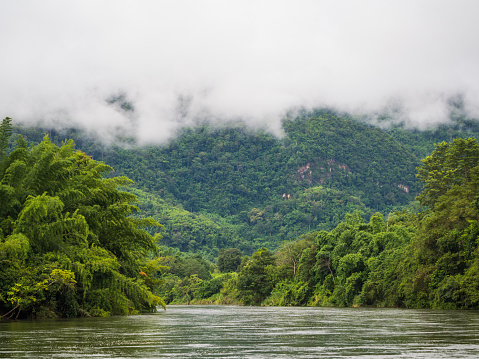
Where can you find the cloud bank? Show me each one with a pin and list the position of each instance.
(179, 61)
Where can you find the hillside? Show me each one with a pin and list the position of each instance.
(424, 260)
(232, 187)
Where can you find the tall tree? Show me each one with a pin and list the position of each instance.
(68, 241)
(448, 165)
(228, 259)
(255, 280)
(5, 131)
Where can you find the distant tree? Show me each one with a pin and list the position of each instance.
(290, 252)
(255, 278)
(183, 265)
(450, 164)
(229, 259)
(5, 131)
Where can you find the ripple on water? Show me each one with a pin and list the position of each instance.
(250, 332)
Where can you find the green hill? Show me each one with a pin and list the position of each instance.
(217, 187)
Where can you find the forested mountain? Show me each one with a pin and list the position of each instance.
(216, 187)
(425, 260)
(326, 212)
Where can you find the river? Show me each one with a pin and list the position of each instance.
(250, 332)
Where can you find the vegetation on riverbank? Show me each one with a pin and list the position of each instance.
(324, 216)
(425, 260)
(68, 243)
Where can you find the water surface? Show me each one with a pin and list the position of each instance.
(250, 332)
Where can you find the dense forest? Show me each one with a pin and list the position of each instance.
(69, 245)
(425, 260)
(216, 187)
(335, 212)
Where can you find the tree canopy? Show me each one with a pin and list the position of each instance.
(69, 245)
(414, 260)
(215, 187)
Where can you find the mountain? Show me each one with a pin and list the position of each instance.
(216, 187)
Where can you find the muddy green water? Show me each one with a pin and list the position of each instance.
(249, 332)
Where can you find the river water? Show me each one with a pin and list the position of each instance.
(250, 332)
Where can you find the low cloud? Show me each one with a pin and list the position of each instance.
(179, 62)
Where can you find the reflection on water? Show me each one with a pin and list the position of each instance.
(250, 332)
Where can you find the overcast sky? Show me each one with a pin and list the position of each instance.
(179, 60)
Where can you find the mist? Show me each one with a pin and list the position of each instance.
(180, 62)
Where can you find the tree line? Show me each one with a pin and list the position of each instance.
(428, 259)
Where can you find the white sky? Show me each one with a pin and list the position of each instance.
(60, 60)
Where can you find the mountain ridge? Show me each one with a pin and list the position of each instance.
(267, 189)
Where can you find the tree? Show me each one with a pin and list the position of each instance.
(228, 259)
(70, 245)
(449, 164)
(255, 280)
(290, 253)
(5, 131)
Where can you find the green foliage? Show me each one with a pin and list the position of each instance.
(182, 265)
(68, 243)
(449, 165)
(434, 269)
(229, 259)
(209, 288)
(224, 187)
(219, 188)
(5, 131)
(221, 289)
(256, 277)
(425, 260)
(391, 262)
(422, 142)
(346, 154)
(289, 293)
(186, 231)
(288, 256)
